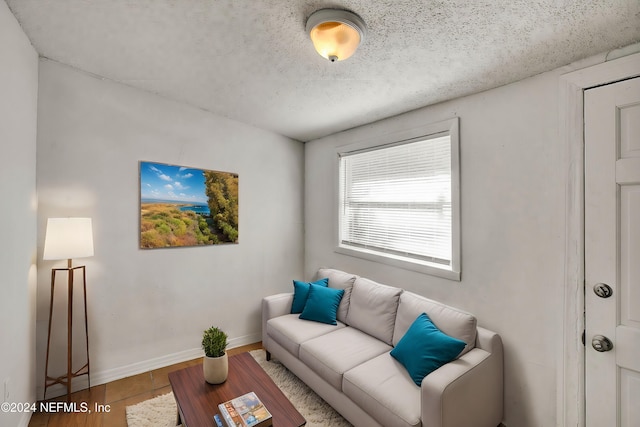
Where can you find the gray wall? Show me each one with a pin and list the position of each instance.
(18, 108)
(513, 203)
(148, 308)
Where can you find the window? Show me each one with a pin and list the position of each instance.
(398, 201)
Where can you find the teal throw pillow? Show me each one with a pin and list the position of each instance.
(301, 292)
(322, 304)
(424, 348)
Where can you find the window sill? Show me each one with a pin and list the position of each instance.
(423, 267)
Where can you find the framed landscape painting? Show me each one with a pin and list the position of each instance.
(183, 206)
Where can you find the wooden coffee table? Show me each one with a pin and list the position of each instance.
(198, 401)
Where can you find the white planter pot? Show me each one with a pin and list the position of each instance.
(215, 369)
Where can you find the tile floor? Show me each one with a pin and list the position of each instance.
(118, 395)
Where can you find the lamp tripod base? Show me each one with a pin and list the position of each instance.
(66, 379)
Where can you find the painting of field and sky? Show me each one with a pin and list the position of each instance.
(181, 206)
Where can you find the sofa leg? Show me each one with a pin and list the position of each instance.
(268, 355)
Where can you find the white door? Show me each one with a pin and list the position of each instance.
(612, 254)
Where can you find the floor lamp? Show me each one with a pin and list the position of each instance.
(68, 238)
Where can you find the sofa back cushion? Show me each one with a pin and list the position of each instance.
(373, 308)
(340, 280)
(453, 322)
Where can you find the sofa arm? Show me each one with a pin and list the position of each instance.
(467, 392)
(275, 306)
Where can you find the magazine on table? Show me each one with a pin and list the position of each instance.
(245, 411)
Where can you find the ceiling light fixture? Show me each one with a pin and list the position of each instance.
(336, 34)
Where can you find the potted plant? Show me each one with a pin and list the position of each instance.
(215, 363)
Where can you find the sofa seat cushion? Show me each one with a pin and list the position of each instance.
(384, 390)
(453, 322)
(373, 307)
(290, 331)
(331, 355)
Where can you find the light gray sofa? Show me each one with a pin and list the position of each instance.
(349, 364)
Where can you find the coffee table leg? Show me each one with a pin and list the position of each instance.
(178, 417)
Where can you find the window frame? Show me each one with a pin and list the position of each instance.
(448, 127)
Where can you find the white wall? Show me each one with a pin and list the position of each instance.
(149, 307)
(513, 231)
(18, 108)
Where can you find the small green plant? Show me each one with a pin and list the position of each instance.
(214, 342)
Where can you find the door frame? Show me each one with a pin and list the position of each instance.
(571, 361)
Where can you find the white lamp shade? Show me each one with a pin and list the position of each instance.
(68, 238)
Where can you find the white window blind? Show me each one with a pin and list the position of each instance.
(396, 200)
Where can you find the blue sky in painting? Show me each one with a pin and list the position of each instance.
(171, 183)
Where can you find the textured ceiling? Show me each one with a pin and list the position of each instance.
(251, 60)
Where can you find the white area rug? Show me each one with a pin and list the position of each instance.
(161, 411)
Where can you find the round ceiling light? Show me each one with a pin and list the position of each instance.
(336, 34)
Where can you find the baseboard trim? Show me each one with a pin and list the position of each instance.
(25, 420)
(108, 375)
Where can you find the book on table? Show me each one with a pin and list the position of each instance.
(245, 411)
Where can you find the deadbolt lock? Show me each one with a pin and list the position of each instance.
(601, 343)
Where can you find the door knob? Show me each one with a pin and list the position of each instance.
(601, 343)
(603, 290)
